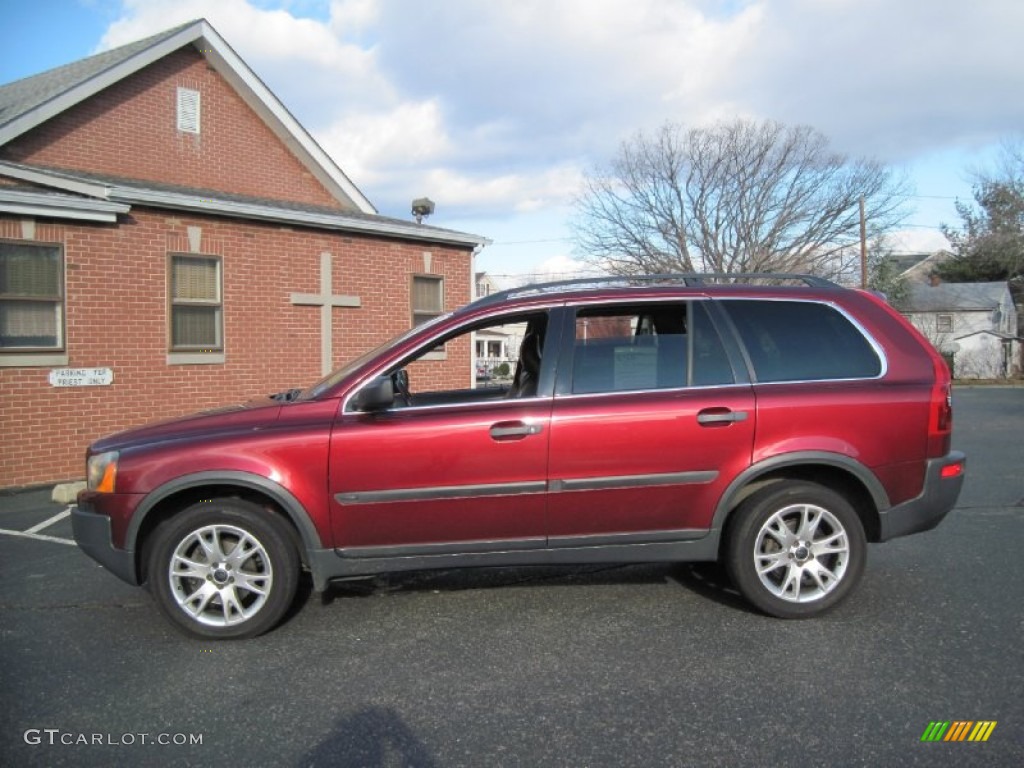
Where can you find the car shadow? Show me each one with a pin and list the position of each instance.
(711, 581)
(708, 580)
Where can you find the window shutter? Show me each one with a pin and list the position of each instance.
(426, 294)
(29, 271)
(196, 327)
(188, 110)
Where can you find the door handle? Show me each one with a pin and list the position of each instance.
(514, 429)
(711, 417)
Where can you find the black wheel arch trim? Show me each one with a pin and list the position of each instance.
(807, 459)
(279, 494)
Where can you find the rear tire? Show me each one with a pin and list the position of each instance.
(796, 549)
(223, 569)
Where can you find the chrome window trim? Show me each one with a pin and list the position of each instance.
(445, 406)
(662, 391)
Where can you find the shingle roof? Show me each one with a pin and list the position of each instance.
(22, 96)
(217, 203)
(954, 297)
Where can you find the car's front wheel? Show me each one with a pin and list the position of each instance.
(796, 549)
(223, 568)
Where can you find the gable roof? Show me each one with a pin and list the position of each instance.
(955, 297)
(26, 103)
(903, 261)
(916, 267)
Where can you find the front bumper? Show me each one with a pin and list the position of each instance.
(94, 537)
(937, 498)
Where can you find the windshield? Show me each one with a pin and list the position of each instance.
(336, 376)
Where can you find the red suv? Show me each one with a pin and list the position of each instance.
(776, 428)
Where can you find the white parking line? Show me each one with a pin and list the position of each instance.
(47, 523)
(37, 536)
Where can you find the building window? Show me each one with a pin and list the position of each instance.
(31, 297)
(188, 110)
(427, 298)
(944, 323)
(197, 315)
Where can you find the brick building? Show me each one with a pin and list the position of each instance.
(167, 226)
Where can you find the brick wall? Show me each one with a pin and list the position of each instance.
(116, 317)
(130, 130)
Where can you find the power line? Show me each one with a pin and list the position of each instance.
(532, 242)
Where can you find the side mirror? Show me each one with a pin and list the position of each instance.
(378, 395)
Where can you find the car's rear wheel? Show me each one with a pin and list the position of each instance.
(223, 568)
(796, 549)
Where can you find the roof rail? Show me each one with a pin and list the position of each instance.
(690, 279)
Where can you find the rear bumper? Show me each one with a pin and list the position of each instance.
(936, 500)
(94, 537)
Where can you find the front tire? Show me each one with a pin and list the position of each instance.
(797, 549)
(223, 569)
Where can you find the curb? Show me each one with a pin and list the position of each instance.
(67, 493)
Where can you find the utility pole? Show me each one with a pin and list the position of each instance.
(863, 247)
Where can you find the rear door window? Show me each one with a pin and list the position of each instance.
(802, 341)
(646, 347)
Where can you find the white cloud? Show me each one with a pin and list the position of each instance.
(917, 241)
(377, 144)
(350, 17)
(562, 267)
(301, 59)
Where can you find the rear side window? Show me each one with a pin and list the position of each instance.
(802, 341)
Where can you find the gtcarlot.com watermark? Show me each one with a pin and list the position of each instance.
(55, 737)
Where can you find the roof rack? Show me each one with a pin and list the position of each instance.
(689, 279)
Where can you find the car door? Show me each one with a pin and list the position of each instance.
(452, 471)
(651, 421)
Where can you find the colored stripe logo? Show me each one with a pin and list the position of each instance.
(958, 730)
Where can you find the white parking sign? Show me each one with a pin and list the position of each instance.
(81, 377)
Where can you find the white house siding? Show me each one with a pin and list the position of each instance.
(977, 351)
(981, 337)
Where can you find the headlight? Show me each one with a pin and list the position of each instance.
(101, 471)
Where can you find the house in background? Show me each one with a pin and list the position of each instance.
(172, 239)
(917, 267)
(974, 325)
(494, 346)
(484, 285)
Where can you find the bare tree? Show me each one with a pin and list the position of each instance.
(741, 196)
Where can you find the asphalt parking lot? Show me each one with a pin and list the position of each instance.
(646, 665)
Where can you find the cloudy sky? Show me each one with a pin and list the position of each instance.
(495, 109)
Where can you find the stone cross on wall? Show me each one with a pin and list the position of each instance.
(326, 301)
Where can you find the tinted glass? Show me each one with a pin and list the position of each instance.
(646, 347)
(802, 341)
